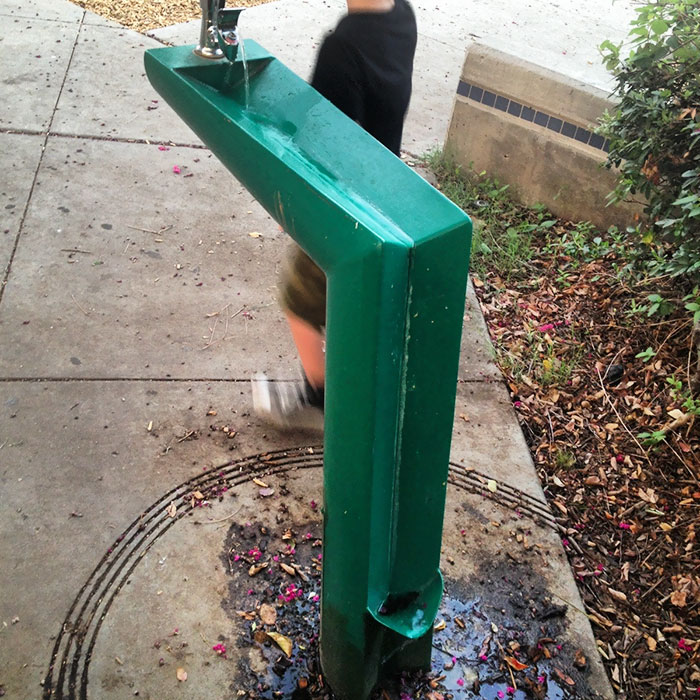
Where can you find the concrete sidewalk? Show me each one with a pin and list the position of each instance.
(134, 307)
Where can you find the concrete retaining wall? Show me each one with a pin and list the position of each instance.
(532, 128)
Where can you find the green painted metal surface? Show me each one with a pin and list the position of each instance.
(395, 252)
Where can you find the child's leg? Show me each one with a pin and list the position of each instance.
(303, 299)
(309, 342)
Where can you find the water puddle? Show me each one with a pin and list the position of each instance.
(479, 650)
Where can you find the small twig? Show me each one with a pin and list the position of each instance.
(619, 417)
(217, 315)
(75, 250)
(674, 330)
(138, 228)
(222, 520)
(78, 305)
(187, 435)
(682, 461)
(211, 337)
(650, 590)
(148, 230)
(569, 604)
(510, 670)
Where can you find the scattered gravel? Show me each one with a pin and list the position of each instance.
(143, 15)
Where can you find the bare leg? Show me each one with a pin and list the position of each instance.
(309, 342)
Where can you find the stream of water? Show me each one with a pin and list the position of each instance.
(246, 77)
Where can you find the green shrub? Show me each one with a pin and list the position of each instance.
(654, 134)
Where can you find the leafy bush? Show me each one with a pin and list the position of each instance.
(655, 133)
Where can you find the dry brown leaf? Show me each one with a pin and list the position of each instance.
(562, 676)
(626, 571)
(260, 483)
(618, 595)
(284, 643)
(651, 643)
(268, 614)
(257, 568)
(181, 675)
(289, 569)
(172, 509)
(515, 664)
(679, 598)
(648, 495)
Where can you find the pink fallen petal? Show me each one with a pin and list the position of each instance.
(176, 169)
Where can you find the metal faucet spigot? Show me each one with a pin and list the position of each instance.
(208, 45)
(225, 30)
(218, 37)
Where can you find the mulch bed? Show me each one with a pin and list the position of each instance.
(144, 15)
(567, 339)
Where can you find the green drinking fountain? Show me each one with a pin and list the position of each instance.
(395, 252)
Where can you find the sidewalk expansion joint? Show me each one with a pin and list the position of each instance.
(20, 228)
(58, 380)
(35, 18)
(98, 137)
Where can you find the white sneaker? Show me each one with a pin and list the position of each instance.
(287, 405)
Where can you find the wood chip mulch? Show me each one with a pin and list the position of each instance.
(567, 339)
(144, 15)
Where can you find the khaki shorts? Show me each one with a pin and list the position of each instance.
(303, 288)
